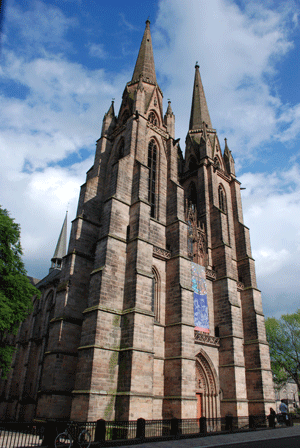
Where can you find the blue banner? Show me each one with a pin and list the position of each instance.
(201, 319)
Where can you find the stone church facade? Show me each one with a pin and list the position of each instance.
(154, 310)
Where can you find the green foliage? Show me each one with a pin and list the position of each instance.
(284, 340)
(16, 291)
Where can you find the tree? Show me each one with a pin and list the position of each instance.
(16, 291)
(283, 336)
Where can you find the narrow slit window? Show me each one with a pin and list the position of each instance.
(152, 165)
(222, 199)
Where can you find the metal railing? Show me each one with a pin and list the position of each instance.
(36, 434)
(19, 434)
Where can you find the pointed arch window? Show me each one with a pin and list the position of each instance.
(152, 118)
(222, 199)
(193, 164)
(152, 165)
(121, 148)
(155, 294)
(192, 194)
(125, 116)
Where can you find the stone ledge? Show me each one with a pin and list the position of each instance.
(109, 235)
(232, 365)
(180, 357)
(255, 341)
(91, 391)
(180, 397)
(100, 347)
(97, 270)
(180, 323)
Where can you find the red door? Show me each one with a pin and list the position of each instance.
(199, 405)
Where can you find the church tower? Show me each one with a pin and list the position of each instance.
(213, 191)
(157, 313)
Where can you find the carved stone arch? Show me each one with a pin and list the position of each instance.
(217, 163)
(155, 104)
(207, 385)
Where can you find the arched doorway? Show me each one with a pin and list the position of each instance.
(207, 387)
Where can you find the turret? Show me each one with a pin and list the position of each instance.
(169, 120)
(109, 121)
(228, 160)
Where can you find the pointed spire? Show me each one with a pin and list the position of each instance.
(61, 247)
(145, 62)
(199, 111)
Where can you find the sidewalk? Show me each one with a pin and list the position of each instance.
(223, 439)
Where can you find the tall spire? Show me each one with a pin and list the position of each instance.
(61, 247)
(199, 111)
(145, 62)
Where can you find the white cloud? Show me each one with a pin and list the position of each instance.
(96, 50)
(271, 205)
(236, 50)
(39, 202)
(58, 107)
(40, 24)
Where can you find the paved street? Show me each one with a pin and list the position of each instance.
(269, 438)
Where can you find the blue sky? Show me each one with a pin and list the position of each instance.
(63, 61)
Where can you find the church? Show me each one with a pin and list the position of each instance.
(153, 311)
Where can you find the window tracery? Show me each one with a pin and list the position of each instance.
(152, 118)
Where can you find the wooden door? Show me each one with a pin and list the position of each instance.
(199, 405)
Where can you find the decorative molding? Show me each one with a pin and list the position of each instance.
(197, 240)
(117, 131)
(159, 131)
(240, 286)
(211, 274)
(160, 253)
(206, 339)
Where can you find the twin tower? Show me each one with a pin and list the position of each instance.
(156, 311)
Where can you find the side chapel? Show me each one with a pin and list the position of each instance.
(153, 311)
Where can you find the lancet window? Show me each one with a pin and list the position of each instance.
(152, 165)
(193, 164)
(121, 148)
(222, 199)
(192, 194)
(125, 117)
(155, 294)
